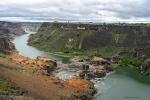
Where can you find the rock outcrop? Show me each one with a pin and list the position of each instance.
(82, 89)
(40, 63)
(7, 30)
(11, 28)
(45, 87)
(97, 73)
(98, 60)
(95, 66)
(6, 46)
(143, 53)
(145, 67)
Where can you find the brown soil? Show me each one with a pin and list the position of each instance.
(44, 87)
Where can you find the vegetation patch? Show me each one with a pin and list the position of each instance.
(6, 88)
(119, 38)
(130, 67)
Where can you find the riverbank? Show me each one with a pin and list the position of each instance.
(83, 54)
(41, 86)
(131, 68)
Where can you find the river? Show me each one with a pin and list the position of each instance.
(29, 51)
(114, 87)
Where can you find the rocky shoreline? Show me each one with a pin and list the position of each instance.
(79, 88)
(88, 70)
(95, 67)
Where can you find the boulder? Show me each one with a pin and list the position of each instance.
(86, 75)
(96, 60)
(114, 59)
(85, 67)
(46, 63)
(82, 89)
(99, 73)
(108, 68)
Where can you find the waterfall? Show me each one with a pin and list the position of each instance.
(31, 27)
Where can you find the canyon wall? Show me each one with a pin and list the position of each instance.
(7, 31)
(58, 36)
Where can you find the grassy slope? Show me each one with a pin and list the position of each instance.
(54, 39)
(6, 88)
(130, 67)
(56, 44)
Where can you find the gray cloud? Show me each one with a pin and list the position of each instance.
(76, 10)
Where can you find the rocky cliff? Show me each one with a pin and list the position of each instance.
(6, 46)
(11, 28)
(58, 36)
(7, 30)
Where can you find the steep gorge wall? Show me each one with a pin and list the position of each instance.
(54, 36)
(7, 30)
(6, 46)
(125, 36)
(11, 28)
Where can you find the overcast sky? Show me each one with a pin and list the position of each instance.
(75, 10)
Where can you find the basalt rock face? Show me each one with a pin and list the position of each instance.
(55, 36)
(7, 30)
(6, 46)
(145, 67)
(143, 53)
(10, 28)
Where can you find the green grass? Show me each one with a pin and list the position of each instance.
(84, 54)
(107, 50)
(6, 88)
(55, 39)
(130, 67)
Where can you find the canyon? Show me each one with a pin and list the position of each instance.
(26, 73)
(82, 43)
(59, 36)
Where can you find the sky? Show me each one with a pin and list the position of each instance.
(75, 10)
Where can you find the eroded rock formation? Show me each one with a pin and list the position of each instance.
(6, 46)
(7, 30)
(11, 28)
(40, 63)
